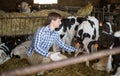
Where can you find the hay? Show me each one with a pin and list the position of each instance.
(24, 23)
(38, 13)
(85, 11)
(46, 12)
(72, 70)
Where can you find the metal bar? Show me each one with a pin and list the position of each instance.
(58, 64)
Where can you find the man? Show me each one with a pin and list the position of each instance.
(46, 36)
(44, 39)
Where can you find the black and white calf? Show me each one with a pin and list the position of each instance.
(107, 40)
(87, 35)
(6, 48)
(67, 30)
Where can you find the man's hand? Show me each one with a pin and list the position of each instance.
(49, 54)
(56, 56)
(78, 51)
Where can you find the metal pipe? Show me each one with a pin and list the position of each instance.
(58, 64)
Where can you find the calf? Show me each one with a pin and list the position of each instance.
(20, 50)
(6, 48)
(107, 40)
(67, 30)
(111, 37)
(111, 62)
(87, 35)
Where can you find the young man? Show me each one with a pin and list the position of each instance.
(43, 40)
(46, 36)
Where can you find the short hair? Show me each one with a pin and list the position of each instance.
(53, 16)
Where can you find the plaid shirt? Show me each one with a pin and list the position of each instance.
(44, 39)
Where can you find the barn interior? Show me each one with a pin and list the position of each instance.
(15, 23)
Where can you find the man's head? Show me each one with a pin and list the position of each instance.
(54, 19)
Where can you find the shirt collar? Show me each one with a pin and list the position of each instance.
(48, 28)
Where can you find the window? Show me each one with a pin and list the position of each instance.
(45, 1)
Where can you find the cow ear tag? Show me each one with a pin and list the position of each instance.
(96, 45)
(100, 24)
(78, 44)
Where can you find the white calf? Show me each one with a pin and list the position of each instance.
(21, 49)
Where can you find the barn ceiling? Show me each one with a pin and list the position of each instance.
(11, 5)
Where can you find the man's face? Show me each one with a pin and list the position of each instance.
(57, 22)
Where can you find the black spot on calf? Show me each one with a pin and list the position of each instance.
(91, 23)
(61, 36)
(76, 28)
(86, 35)
(80, 33)
(94, 35)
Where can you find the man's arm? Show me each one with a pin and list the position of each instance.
(64, 46)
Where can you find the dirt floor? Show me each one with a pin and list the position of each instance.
(72, 70)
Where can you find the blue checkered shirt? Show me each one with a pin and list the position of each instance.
(44, 39)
